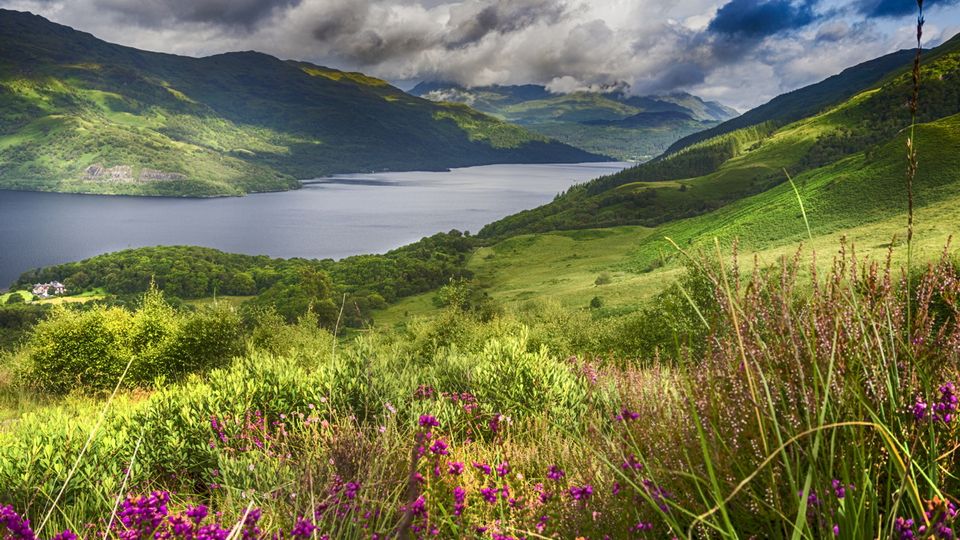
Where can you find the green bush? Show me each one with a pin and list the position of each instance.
(72, 349)
(89, 350)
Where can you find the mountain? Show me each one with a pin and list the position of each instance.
(808, 100)
(82, 115)
(850, 123)
(612, 123)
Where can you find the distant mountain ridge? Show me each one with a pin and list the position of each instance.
(846, 132)
(614, 123)
(79, 114)
(808, 100)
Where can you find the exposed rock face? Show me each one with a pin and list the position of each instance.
(120, 173)
(124, 174)
(151, 175)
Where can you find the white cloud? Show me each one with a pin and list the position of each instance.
(654, 45)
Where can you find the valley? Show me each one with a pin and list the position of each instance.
(614, 123)
(453, 316)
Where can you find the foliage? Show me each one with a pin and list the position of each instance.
(778, 416)
(93, 349)
(17, 320)
(291, 287)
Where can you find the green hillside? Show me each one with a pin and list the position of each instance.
(860, 199)
(710, 174)
(615, 123)
(81, 115)
(808, 100)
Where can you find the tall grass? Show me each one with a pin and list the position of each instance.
(798, 401)
(811, 409)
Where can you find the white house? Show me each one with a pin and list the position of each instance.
(46, 290)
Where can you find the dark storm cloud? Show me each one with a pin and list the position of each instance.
(370, 47)
(755, 20)
(341, 20)
(896, 8)
(227, 13)
(502, 18)
(351, 29)
(735, 34)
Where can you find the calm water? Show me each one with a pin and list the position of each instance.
(330, 217)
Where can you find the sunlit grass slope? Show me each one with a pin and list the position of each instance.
(861, 198)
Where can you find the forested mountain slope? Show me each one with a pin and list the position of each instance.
(83, 115)
(614, 123)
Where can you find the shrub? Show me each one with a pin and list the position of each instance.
(90, 350)
(71, 348)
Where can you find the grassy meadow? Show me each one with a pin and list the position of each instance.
(774, 404)
(776, 358)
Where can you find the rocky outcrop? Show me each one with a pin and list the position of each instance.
(124, 174)
(151, 175)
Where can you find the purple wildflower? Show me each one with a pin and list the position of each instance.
(631, 462)
(427, 420)
(838, 488)
(18, 528)
(250, 529)
(459, 498)
(303, 528)
(197, 513)
(919, 410)
(946, 405)
(903, 528)
(555, 473)
(482, 467)
(439, 448)
(494, 423)
(541, 524)
(489, 494)
(581, 493)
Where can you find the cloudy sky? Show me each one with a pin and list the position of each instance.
(740, 52)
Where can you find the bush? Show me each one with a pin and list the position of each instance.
(72, 349)
(90, 350)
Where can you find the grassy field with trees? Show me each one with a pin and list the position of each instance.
(784, 366)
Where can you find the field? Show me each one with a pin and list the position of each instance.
(25, 296)
(279, 422)
(755, 337)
